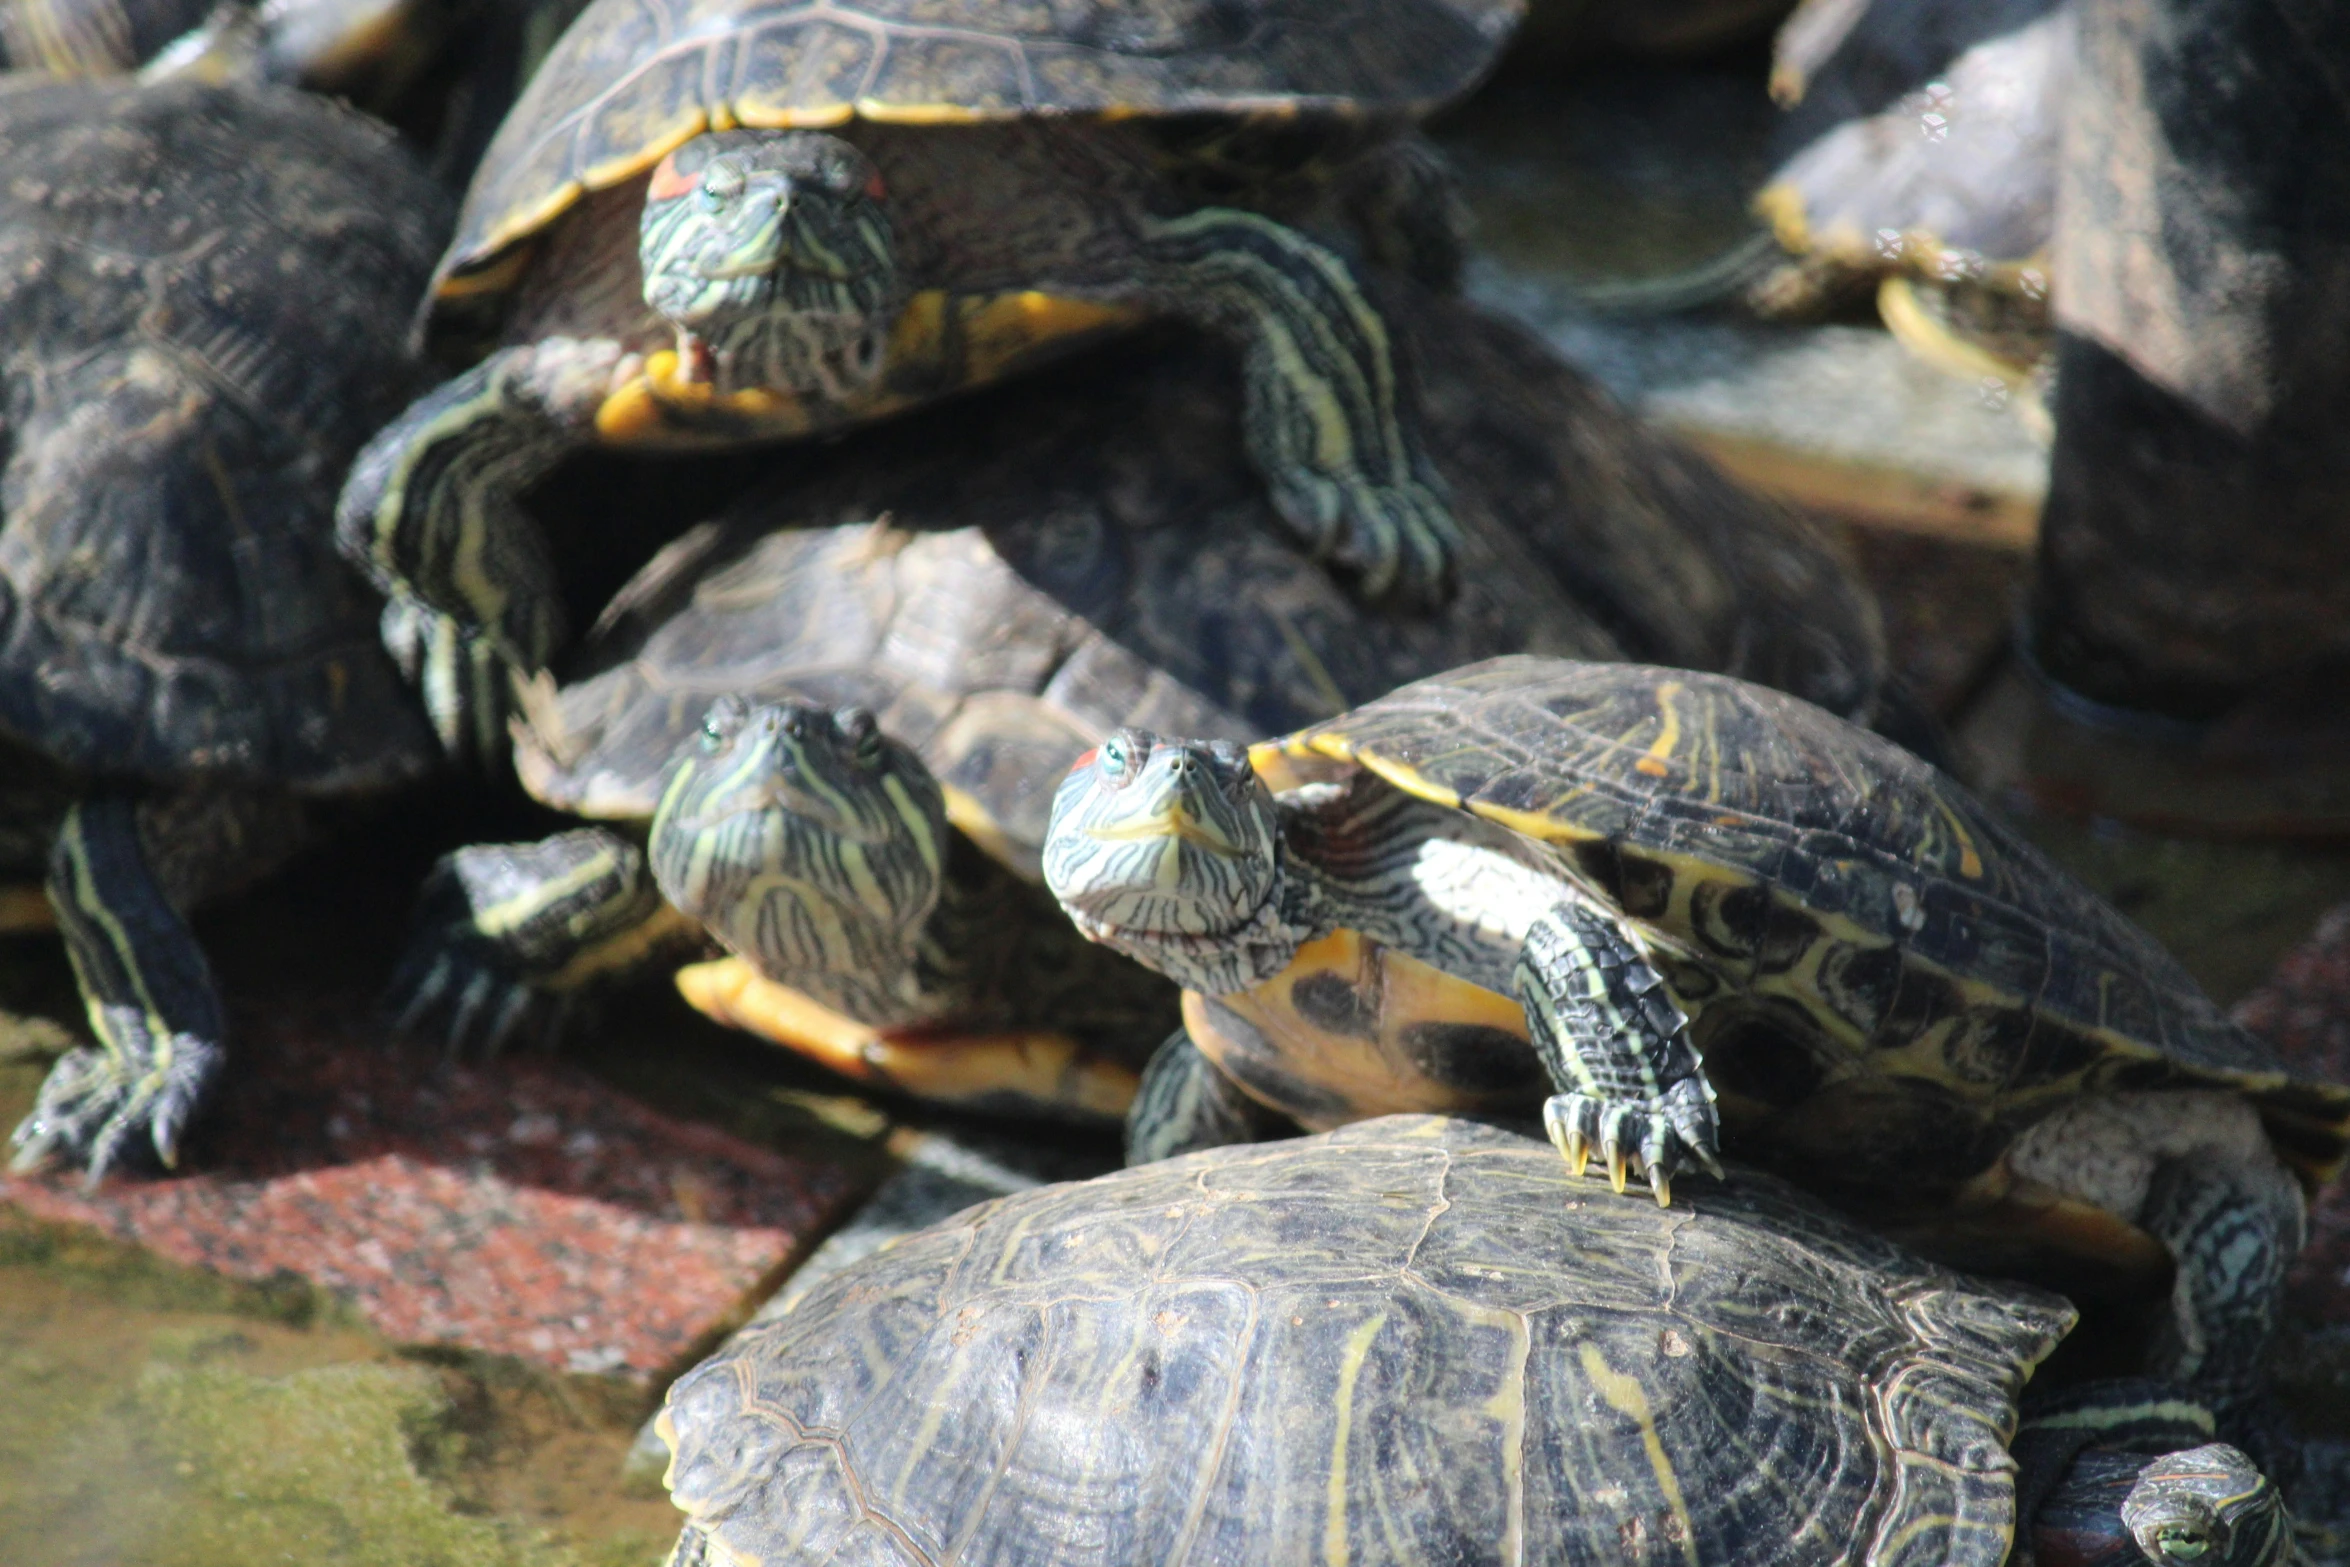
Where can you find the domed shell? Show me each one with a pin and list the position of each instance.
(1766, 832)
(1413, 1340)
(202, 303)
(632, 79)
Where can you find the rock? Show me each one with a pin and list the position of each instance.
(522, 1207)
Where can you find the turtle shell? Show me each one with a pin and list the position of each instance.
(176, 263)
(1783, 857)
(632, 79)
(1091, 548)
(1414, 1340)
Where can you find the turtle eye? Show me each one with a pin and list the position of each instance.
(1116, 758)
(719, 186)
(863, 735)
(720, 723)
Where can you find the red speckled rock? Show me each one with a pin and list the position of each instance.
(2304, 1009)
(522, 1207)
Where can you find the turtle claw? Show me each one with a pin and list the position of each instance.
(101, 1107)
(450, 992)
(1659, 1139)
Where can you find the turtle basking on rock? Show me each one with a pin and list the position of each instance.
(200, 297)
(1085, 550)
(712, 222)
(1419, 1340)
(1682, 913)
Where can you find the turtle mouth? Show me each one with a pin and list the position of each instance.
(1173, 821)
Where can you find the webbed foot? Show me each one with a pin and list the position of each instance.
(1659, 1137)
(467, 688)
(510, 939)
(101, 1107)
(1618, 1049)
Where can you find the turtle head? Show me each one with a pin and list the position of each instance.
(809, 843)
(772, 253)
(2209, 1506)
(1170, 851)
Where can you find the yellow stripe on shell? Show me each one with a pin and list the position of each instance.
(1350, 1370)
(1625, 1395)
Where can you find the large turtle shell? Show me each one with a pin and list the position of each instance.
(202, 303)
(1790, 853)
(632, 79)
(1091, 548)
(1413, 1340)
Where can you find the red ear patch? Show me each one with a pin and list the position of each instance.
(875, 188)
(667, 183)
(1085, 761)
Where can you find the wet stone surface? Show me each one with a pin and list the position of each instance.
(520, 1208)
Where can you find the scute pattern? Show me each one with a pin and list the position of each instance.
(1088, 549)
(633, 78)
(1793, 852)
(170, 597)
(1414, 1340)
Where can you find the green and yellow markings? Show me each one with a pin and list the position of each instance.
(1350, 1370)
(1654, 763)
(1625, 1395)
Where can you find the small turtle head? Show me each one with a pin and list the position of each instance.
(2209, 1506)
(1170, 851)
(808, 842)
(772, 251)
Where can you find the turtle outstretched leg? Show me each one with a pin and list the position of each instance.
(432, 512)
(150, 996)
(510, 936)
(1186, 1103)
(2233, 1229)
(1325, 415)
(1618, 1050)
(465, 686)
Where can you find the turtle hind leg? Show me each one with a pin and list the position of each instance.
(1618, 1050)
(1187, 1103)
(432, 512)
(1324, 412)
(509, 937)
(151, 1000)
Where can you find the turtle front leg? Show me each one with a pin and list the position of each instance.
(432, 512)
(1187, 1103)
(2233, 1229)
(151, 1000)
(510, 936)
(1618, 1050)
(1324, 412)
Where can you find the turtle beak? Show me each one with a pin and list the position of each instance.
(1175, 821)
(1171, 810)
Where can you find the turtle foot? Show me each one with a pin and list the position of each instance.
(1398, 540)
(1659, 1137)
(466, 686)
(106, 1107)
(462, 995)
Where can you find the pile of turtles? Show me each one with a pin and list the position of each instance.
(1117, 410)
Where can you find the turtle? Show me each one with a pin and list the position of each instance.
(188, 669)
(1084, 550)
(1684, 912)
(1417, 1339)
(711, 222)
(1924, 148)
